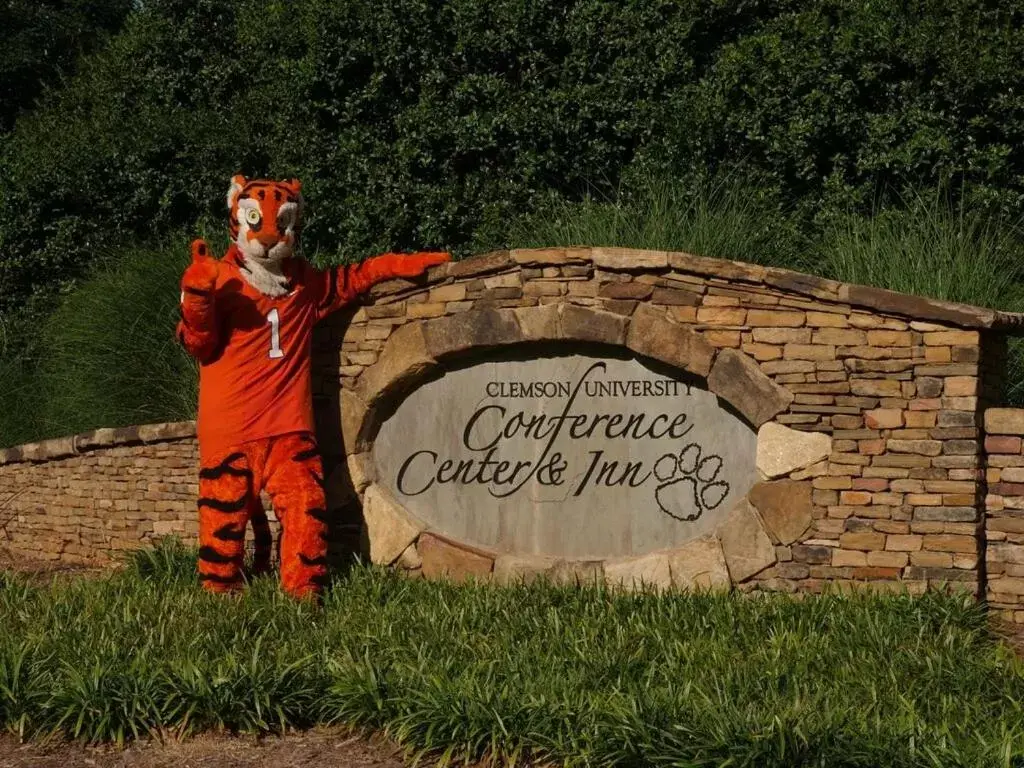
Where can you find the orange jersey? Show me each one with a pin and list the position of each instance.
(255, 350)
(259, 384)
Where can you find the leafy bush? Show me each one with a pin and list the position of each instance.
(40, 41)
(433, 124)
(554, 674)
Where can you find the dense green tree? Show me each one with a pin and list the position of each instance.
(41, 39)
(430, 123)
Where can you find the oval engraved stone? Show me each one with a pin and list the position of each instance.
(572, 455)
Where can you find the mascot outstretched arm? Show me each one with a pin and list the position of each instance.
(248, 319)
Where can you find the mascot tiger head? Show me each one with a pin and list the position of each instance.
(264, 225)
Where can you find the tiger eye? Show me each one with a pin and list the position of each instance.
(252, 215)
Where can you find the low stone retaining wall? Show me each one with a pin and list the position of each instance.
(85, 499)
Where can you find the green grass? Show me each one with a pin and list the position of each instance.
(927, 248)
(574, 676)
(723, 218)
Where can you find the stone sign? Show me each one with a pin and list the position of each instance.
(571, 456)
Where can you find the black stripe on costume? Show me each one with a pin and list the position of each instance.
(211, 555)
(309, 453)
(181, 336)
(320, 580)
(332, 279)
(313, 561)
(195, 291)
(225, 468)
(319, 514)
(224, 506)
(229, 533)
(318, 480)
(219, 579)
(262, 536)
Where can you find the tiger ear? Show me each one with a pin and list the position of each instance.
(237, 182)
(294, 185)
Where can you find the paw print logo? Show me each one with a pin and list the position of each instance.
(689, 483)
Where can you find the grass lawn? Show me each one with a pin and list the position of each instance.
(574, 675)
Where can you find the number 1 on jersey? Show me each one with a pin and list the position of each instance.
(275, 333)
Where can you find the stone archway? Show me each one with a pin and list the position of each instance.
(741, 545)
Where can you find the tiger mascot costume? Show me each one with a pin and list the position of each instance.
(248, 319)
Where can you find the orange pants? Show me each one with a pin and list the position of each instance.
(288, 467)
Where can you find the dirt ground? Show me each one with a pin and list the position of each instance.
(322, 747)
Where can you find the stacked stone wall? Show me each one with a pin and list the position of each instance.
(89, 498)
(1004, 510)
(897, 382)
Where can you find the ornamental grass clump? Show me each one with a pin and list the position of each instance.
(581, 676)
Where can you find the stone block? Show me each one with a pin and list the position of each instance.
(653, 335)
(389, 528)
(865, 541)
(477, 329)
(739, 381)
(578, 572)
(410, 559)
(628, 259)
(404, 357)
(651, 570)
(481, 264)
(1002, 444)
(584, 324)
(1004, 421)
(675, 297)
(550, 256)
(539, 323)
(721, 315)
(785, 507)
(513, 569)
(699, 565)
(946, 514)
(781, 450)
(444, 559)
(919, 447)
(361, 471)
(745, 544)
(628, 290)
(773, 318)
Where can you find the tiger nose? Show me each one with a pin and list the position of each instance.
(268, 239)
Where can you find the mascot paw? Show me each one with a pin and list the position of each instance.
(201, 274)
(416, 264)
